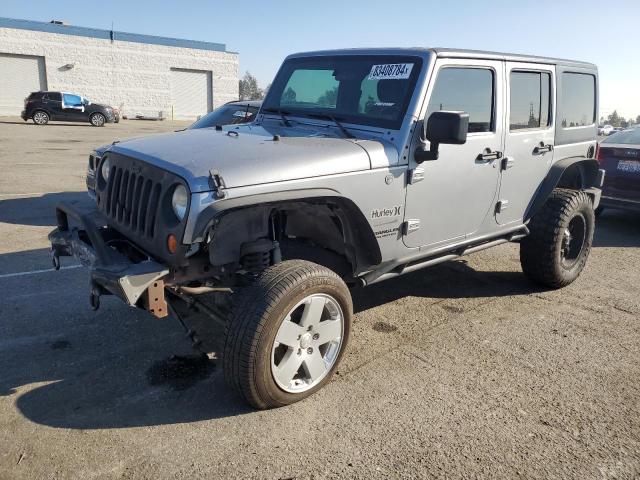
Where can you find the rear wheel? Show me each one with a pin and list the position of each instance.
(40, 117)
(287, 333)
(97, 119)
(556, 250)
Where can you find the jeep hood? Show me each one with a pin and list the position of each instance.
(245, 156)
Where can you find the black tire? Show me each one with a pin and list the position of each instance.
(257, 313)
(97, 119)
(556, 250)
(40, 117)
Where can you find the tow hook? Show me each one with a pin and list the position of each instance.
(94, 297)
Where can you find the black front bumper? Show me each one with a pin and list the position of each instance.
(85, 235)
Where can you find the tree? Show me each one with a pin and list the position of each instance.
(329, 98)
(638, 119)
(249, 89)
(614, 119)
(289, 96)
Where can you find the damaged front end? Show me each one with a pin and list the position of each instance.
(117, 267)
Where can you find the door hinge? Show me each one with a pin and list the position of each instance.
(507, 163)
(416, 175)
(502, 205)
(410, 226)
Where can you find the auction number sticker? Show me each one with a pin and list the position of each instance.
(391, 71)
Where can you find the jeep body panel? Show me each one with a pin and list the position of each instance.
(247, 156)
(408, 209)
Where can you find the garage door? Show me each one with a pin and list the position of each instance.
(19, 76)
(191, 93)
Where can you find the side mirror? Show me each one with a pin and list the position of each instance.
(443, 127)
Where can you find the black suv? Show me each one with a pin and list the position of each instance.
(69, 107)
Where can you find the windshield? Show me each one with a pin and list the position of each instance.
(227, 115)
(368, 90)
(629, 137)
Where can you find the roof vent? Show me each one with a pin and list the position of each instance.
(58, 22)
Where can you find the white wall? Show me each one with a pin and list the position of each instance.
(134, 75)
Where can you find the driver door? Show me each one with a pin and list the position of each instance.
(72, 108)
(449, 198)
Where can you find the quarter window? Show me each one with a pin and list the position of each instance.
(469, 90)
(578, 100)
(529, 100)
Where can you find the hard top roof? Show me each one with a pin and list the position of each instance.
(449, 53)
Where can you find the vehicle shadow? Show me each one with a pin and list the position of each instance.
(73, 368)
(453, 280)
(39, 210)
(617, 228)
(68, 367)
(52, 123)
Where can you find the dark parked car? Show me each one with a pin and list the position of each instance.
(69, 107)
(229, 114)
(619, 155)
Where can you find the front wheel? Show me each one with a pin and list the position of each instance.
(97, 119)
(287, 333)
(556, 250)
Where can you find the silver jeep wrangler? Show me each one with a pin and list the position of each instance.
(362, 165)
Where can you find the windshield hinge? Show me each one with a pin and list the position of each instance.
(216, 182)
(410, 226)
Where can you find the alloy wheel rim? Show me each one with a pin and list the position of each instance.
(40, 117)
(97, 120)
(573, 241)
(307, 343)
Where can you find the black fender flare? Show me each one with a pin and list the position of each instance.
(579, 173)
(358, 233)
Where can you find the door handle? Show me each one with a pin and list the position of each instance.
(487, 155)
(542, 148)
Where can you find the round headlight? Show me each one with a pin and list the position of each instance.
(105, 169)
(179, 201)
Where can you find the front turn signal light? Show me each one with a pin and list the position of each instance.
(172, 243)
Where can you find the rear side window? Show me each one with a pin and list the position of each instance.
(529, 99)
(578, 100)
(469, 90)
(52, 96)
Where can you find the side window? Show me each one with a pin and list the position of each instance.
(72, 100)
(469, 90)
(529, 100)
(53, 96)
(578, 100)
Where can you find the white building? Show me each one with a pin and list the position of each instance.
(142, 74)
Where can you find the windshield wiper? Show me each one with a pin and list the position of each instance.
(280, 112)
(344, 131)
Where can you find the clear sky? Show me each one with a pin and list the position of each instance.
(264, 32)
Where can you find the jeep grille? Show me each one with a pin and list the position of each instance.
(132, 201)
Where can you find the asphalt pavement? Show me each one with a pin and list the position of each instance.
(463, 370)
